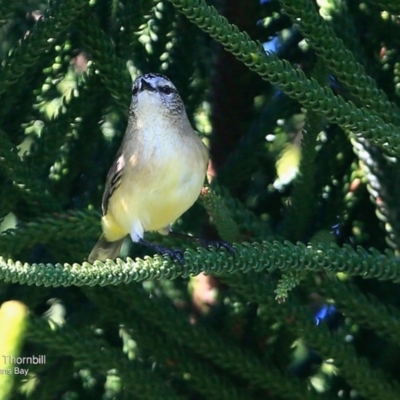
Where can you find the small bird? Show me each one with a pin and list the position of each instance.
(158, 171)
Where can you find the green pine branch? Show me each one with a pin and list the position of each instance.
(96, 354)
(56, 132)
(113, 71)
(265, 256)
(200, 375)
(383, 185)
(25, 179)
(387, 5)
(209, 345)
(248, 223)
(365, 310)
(369, 382)
(43, 38)
(359, 121)
(131, 16)
(71, 226)
(339, 60)
(220, 215)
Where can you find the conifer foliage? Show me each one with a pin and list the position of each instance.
(298, 102)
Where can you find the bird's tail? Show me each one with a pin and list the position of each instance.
(104, 249)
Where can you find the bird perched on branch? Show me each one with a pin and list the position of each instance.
(158, 171)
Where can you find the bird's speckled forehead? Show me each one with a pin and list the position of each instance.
(158, 79)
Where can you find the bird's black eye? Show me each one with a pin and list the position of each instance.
(134, 91)
(166, 89)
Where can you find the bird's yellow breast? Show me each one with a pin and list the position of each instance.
(157, 190)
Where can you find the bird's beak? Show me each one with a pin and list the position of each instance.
(144, 85)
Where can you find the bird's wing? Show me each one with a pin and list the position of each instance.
(113, 180)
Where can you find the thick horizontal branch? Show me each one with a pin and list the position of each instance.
(265, 256)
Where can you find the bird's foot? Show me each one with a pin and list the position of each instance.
(174, 254)
(218, 244)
